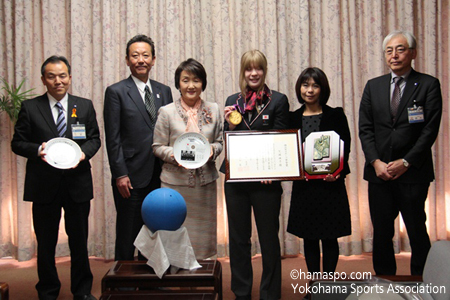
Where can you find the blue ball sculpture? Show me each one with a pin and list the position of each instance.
(164, 209)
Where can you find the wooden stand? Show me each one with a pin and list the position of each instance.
(155, 295)
(138, 275)
(4, 291)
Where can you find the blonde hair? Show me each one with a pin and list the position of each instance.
(252, 58)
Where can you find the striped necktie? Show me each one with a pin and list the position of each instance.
(61, 121)
(150, 103)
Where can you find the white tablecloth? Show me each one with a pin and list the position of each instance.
(166, 248)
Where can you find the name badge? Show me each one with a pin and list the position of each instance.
(415, 114)
(78, 131)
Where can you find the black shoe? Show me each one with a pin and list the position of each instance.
(84, 297)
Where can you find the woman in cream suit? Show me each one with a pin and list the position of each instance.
(198, 186)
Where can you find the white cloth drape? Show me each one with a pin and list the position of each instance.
(342, 37)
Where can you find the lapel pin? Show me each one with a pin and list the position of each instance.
(158, 96)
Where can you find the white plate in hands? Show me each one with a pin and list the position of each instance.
(191, 150)
(62, 153)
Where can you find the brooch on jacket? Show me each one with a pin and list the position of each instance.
(207, 115)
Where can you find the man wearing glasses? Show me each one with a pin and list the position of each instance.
(399, 121)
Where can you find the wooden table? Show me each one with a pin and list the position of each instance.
(4, 291)
(154, 295)
(137, 274)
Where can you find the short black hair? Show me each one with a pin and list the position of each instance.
(191, 66)
(141, 38)
(319, 78)
(53, 60)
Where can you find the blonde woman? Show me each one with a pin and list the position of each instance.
(261, 109)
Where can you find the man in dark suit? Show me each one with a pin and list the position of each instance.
(399, 121)
(51, 189)
(130, 110)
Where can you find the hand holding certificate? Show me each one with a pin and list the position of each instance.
(278, 155)
(263, 155)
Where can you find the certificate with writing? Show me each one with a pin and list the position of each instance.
(263, 155)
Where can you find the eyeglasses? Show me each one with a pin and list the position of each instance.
(398, 50)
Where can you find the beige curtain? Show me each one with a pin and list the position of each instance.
(344, 38)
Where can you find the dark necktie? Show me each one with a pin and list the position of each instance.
(150, 103)
(396, 96)
(61, 120)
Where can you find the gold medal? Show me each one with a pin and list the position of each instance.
(235, 117)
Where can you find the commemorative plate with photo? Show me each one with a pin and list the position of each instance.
(191, 150)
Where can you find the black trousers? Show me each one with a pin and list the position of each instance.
(46, 218)
(265, 201)
(386, 200)
(129, 218)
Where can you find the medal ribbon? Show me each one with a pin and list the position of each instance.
(237, 107)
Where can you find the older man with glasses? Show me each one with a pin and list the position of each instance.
(399, 120)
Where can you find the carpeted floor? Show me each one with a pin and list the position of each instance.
(21, 276)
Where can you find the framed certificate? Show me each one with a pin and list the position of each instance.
(324, 154)
(263, 155)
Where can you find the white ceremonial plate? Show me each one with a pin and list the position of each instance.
(191, 150)
(62, 153)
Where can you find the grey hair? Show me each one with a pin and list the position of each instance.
(410, 38)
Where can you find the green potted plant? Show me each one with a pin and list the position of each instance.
(12, 97)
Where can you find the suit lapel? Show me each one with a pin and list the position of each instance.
(136, 97)
(411, 84)
(240, 101)
(385, 94)
(45, 111)
(71, 105)
(326, 111)
(157, 94)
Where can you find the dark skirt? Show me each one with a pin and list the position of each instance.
(319, 209)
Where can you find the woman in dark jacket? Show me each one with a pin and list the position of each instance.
(261, 109)
(319, 207)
